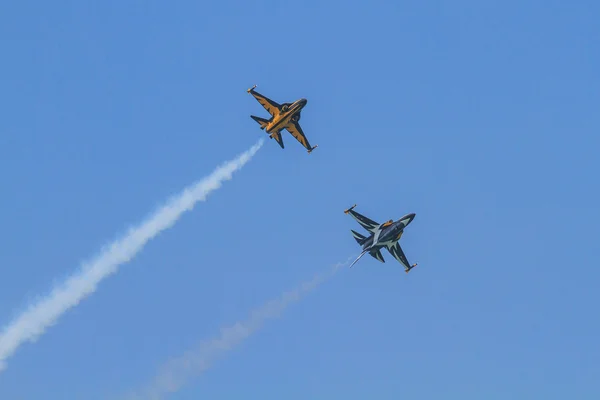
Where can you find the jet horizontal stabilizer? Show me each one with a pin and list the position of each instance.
(360, 239)
(377, 255)
(262, 121)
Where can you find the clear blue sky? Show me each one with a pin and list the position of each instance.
(479, 116)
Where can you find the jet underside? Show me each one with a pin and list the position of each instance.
(386, 235)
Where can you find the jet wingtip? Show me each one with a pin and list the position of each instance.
(349, 209)
(251, 89)
(411, 267)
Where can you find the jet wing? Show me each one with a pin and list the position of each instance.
(398, 254)
(296, 131)
(271, 106)
(365, 222)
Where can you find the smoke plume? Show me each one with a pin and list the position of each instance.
(38, 317)
(176, 372)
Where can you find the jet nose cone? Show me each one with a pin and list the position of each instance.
(408, 219)
(303, 102)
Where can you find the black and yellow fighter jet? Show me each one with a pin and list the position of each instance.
(283, 116)
(384, 235)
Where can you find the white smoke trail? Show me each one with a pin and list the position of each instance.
(176, 372)
(39, 316)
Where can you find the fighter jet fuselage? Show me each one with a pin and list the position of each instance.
(389, 234)
(283, 116)
(382, 236)
(290, 112)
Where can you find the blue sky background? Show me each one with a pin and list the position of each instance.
(479, 116)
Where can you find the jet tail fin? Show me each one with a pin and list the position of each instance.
(360, 239)
(262, 121)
